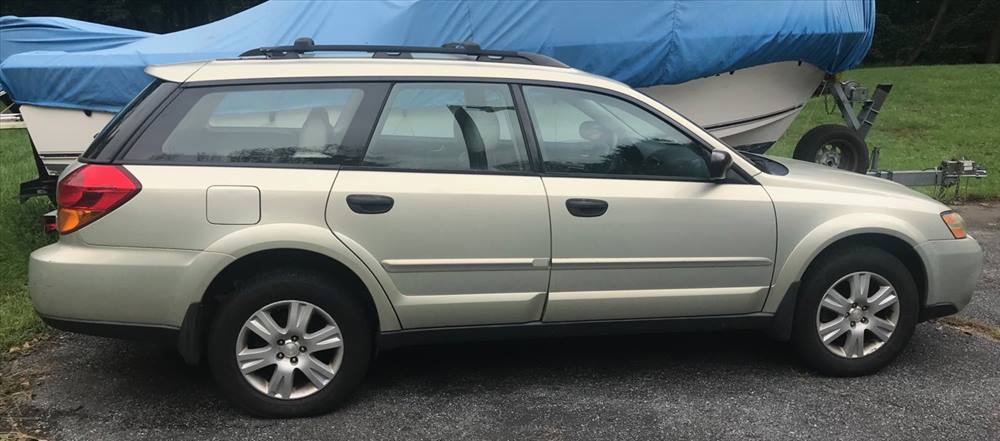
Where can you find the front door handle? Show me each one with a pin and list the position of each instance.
(586, 207)
(369, 203)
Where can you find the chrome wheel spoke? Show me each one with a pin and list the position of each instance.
(883, 298)
(881, 328)
(281, 383)
(251, 360)
(833, 329)
(264, 326)
(324, 339)
(854, 345)
(859, 286)
(298, 316)
(835, 302)
(271, 368)
(318, 373)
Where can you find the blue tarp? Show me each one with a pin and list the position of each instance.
(641, 43)
(26, 34)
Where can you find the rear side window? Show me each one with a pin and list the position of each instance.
(264, 124)
(448, 126)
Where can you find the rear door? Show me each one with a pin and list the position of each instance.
(638, 229)
(445, 210)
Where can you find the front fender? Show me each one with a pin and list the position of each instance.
(792, 267)
(312, 238)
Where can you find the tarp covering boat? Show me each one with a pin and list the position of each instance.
(26, 34)
(639, 43)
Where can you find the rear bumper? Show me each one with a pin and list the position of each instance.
(953, 269)
(77, 283)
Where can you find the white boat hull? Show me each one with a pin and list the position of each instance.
(60, 135)
(749, 108)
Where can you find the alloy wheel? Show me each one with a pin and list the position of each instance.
(857, 314)
(289, 349)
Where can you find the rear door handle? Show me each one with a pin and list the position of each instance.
(586, 207)
(369, 203)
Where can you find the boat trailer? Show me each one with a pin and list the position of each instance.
(848, 94)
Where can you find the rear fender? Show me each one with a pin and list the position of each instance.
(308, 238)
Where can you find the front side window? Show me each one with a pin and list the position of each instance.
(591, 133)
(293, 124)
(448, 126)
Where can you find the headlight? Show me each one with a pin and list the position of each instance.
(955, 223)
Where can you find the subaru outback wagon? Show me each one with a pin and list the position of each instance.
(284, 216)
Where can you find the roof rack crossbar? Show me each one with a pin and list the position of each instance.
(303, 45)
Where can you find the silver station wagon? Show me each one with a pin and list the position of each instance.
(283, 216)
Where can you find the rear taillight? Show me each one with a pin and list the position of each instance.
(90, 192)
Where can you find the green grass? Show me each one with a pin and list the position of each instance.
(20, 233)
(933, 113)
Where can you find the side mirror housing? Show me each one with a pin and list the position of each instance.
(719, 162)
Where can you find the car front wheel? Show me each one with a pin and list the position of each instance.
(289, 343)
(857, 310)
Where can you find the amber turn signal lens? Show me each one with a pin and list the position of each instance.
(955, 223)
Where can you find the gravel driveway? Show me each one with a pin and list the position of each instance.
(737, 385)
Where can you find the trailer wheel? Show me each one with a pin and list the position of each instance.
(834, 146)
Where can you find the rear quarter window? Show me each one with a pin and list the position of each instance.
(111, 139)
(323, 124)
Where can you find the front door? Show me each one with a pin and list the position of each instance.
(638, 230)
(444, 209)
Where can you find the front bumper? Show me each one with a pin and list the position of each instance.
(76, 282)
(953, 269)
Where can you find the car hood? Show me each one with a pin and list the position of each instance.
(808, 174)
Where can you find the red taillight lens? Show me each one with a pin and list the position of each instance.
(90, 192)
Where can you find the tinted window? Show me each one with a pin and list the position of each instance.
(584, 132)
(439, 126)
(110, 131)
(257, 124)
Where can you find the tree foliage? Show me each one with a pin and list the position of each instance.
(906, 31)
(936, 32)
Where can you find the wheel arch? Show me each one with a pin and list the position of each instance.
(203, 309)
(308, 244)
(892, 233)
(899, 248)
(785, 304)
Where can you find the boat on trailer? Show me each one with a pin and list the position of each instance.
(743, 70)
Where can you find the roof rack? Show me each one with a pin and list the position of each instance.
(305, 44)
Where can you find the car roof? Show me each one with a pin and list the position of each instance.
(360, 68)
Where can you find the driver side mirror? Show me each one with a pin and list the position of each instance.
(719, 162)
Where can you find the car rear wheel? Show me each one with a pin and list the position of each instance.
(290, 343)
(857, 309)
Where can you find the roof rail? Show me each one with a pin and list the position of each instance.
(305, 44)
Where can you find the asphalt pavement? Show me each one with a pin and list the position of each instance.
(673, 386)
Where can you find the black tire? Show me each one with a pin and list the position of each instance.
(829, 269)
(264, 289)
(854, 150)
